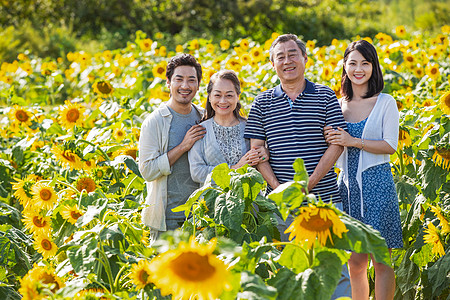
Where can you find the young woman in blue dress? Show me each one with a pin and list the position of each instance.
(365, 182)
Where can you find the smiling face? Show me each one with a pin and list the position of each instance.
(183, 85)
(358, 68)
(289, 62)
(223, 97)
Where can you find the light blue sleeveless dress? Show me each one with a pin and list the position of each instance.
(380, 205)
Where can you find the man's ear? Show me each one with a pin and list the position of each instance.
(168, 83)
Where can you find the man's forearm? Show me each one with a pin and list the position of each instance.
(266, 171)
(327, 161)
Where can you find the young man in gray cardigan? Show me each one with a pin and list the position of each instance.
(167, 135)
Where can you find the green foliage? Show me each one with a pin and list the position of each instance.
(40, 30)
(231, 205)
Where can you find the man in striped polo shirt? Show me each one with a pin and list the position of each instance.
(290, 118)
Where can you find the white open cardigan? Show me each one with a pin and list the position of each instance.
(382, 124)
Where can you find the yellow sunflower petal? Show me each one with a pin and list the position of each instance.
(190, 272)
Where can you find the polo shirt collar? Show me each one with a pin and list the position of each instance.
(309, 89)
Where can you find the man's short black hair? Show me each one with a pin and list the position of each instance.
(183, 60)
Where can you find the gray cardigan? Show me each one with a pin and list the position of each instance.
(206, 154)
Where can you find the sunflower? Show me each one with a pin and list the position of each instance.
(441, 157)
(327, 73)
(418, 72)
(71, 213)
(21, 115)
(67, 158)
(119, 133)
(31, 283)
(130, 150)
(159, 70)
(140, 274)
(162, 51)
(310, 45)
(409, 59)
(194, 45)
(445, 29)
(190, 272)
(23, 189)
(432, 70)
(400, 31)
(45, 245)
(444, 103)
(257, 54)
(98, 173)
(224, 44)
(244, 44)
(36, 223)
(316, 222)
(179, 48)
(233, 64)
(103, 88)
(432, 237)
(44, 196)
(443, 222)
(71, 115)
(86, 184)
(404, 139)
(89, 164)
(145, 45)
(210, 48)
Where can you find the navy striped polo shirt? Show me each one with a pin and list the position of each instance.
(295, 129)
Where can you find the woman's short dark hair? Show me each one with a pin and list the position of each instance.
(183, 60)
(223, 74)
(376, 83)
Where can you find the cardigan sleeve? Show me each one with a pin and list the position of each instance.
(153, 161)
(197, 163)
(391, 122)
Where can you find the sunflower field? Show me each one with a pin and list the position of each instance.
(71, 192)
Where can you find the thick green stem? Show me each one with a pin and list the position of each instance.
(105, 263)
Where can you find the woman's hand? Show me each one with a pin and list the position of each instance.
(339, 137)
(251, 158)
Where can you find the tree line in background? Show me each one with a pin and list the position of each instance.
(55, 27)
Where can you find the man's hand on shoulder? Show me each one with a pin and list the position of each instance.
(195, 133)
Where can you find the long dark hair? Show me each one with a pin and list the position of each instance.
(231, 76)
(376, 83)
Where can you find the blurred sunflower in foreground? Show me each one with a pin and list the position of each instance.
(316, 222)
(191, 271)
(444, 103)
(33, 282)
